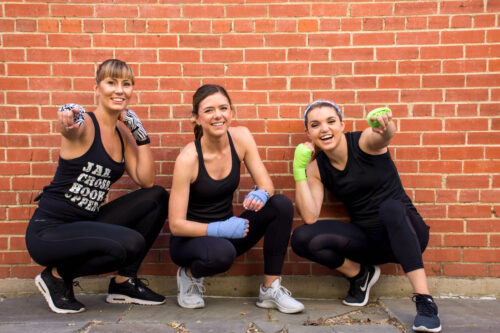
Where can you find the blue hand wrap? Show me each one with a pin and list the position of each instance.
(259, 195)
(233, 227)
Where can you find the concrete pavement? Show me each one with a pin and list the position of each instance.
(239, 314)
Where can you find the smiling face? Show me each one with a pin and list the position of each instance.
(324, 127)
(114, 93)
(214, 114)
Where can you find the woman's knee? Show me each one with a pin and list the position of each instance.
(283, 205)
(392, 213)
(301, 237)
(219, 258)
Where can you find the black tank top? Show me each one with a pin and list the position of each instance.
(210, 199)
(80, 185)
(366, 181)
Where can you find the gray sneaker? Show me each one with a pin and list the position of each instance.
(189, 290)
(278, 297)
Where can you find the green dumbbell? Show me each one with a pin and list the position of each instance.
(375, 113)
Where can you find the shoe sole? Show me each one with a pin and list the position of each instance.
(376, 275)
(425, 329)
(123, 299)
(267, 304)
(46, 294)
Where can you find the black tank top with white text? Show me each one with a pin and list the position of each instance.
(81, 184)
(366, 181)
(211, 199)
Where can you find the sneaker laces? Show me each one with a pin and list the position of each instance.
(277, 293)
(196, 287)
(77, 284)
(424, 307)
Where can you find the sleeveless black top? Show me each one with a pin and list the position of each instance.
(210, 199)
(80, 185)
(366, 182)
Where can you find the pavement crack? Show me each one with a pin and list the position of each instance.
(88, 327)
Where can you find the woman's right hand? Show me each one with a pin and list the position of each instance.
(233, 227)
(71, 116)
(301, 158)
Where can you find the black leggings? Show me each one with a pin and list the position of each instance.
(118, 239)
(402, 240)
(207, 256)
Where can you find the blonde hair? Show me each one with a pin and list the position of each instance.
(114, 68)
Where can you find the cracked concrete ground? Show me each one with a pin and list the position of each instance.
(224, 314)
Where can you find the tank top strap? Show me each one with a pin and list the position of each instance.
(97, 129)
(234, 154)
(121, 142)
(201, 164)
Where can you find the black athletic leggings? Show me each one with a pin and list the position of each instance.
(402, 239)
(207, 256)
(118, 239)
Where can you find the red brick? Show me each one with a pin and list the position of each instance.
(246, 69)
(469, 125)
(72, 40)
(111, 40)
(482, 255)
(71, 26)
(244, 10)
(23, 10)
(481, 166)
(443, 81)
(446, 225)
(421, 181)
(396, 53)
(23, 25)
(71, 10)
(371, 9)
(115, 10)
(14, 257)
(399, 82)
(287, 40)
(466, 240)
(463, 66)
(467, 211)
(374, 38)
(467, 181)
(417, 38)
(265, 55)
(440, 167)
(464, 270)
(432, 254)
(278, 69)
(459, 153)
(206, 11)
(266, 83)
(178, 55)
(443, 139)
(162, 11)
(420, 8)
(355, 82)
(456, 7)
(462, 37)
(242, 41)
(14, 97)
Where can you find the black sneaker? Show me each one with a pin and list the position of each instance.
(133, 291)
(427, 318)
(359, 289)
(58, 293)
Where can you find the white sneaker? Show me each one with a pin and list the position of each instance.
(189, 290)
(277, 296)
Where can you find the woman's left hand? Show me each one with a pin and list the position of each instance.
(255, 200)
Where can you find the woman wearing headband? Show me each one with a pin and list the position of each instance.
(356, 167)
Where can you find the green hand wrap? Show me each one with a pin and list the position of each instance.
(300, 160)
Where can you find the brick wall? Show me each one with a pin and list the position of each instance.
(435, 63)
